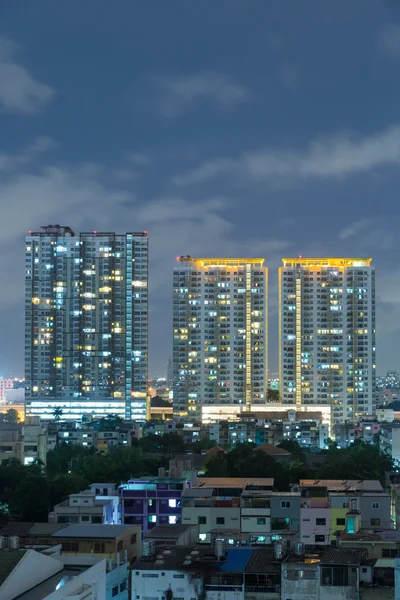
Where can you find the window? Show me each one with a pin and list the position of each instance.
(375, 522)
(179, 576)
(172, 502)
(340, 521)
(202, 520)
(150, 575)
(319, 538)
(260, 521)
(85, 518)
(99, 547)
(202, 537)
(152, 519)
(335, 576)
(70, 546)
(389, 553)
(97, 520)
(114, 591)
(172, 519)
(122, 587)
(133, 538)
(375, 505)
(220, 520)
(320, 521)
(120, 546)
(285, 504)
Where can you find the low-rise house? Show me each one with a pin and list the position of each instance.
(84, 507)
(173, 535)
(150, 501)
(26, 442)
(105, 541)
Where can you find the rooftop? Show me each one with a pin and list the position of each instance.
(342, 556)
(272, 450)
(235, 482)
(168, 532)
(220, 262)
(92, 531)
(326, 262)
(9, 559)
(343, 485)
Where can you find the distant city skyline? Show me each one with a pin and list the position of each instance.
(280, 137)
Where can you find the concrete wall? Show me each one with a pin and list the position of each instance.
(293, 513)
(94, 577)
(309, 528)
(297, 588)
(383, 512)
(183, 585)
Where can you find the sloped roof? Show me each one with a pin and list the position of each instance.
(272, 450)
(9, 559)
(92, 531)
(342, 556)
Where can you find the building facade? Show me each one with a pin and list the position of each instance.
(327, 334)
(86, 348)
(219, 334)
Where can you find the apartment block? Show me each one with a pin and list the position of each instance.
(327, 334)
(86, 349)
(220, 308)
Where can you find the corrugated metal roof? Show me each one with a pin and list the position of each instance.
(234, 482)
(262, 561)
(92, 531)
(9, 559)
(342, 556)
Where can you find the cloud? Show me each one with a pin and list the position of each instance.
(331, 157)
(141, 160)
(20, 92)
(179, 94)
(354, 229)
(389, 41)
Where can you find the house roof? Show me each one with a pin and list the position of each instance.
(342, 556)
(214, 450)
(197, 492)
(262, 560)
(9, 559)
(92, 531)
(344, 485)
(168, 531)
(234, 482)
(46, 529)
(272, 450)
(19, 528)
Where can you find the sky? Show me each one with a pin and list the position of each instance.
(222, 127)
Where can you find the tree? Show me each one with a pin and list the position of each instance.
(30, 501)
(64, 485)
(294, 448)
(273, 395)
(57, 414)
(11, 416)
(217, 466)
(111, 423)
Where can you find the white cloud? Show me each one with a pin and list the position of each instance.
(139, 159)
(180, 93)
(389, 41)
(354, 229)
(19, 91)
(329, 157)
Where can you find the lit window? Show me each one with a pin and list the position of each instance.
(172, 502)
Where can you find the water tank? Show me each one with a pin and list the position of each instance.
(299, 548)
(161, 472)
(148, 548)
(13, 542)
(2, 542)
(278, 549)
(220, 549)
(52, 518)
(354, 504)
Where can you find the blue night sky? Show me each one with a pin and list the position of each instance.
(223, 127)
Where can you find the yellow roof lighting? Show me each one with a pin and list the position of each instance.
(326, 262)
(221, 262)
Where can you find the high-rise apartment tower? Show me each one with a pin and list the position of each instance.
(86, 323)
(220, 339)
(327, 334)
